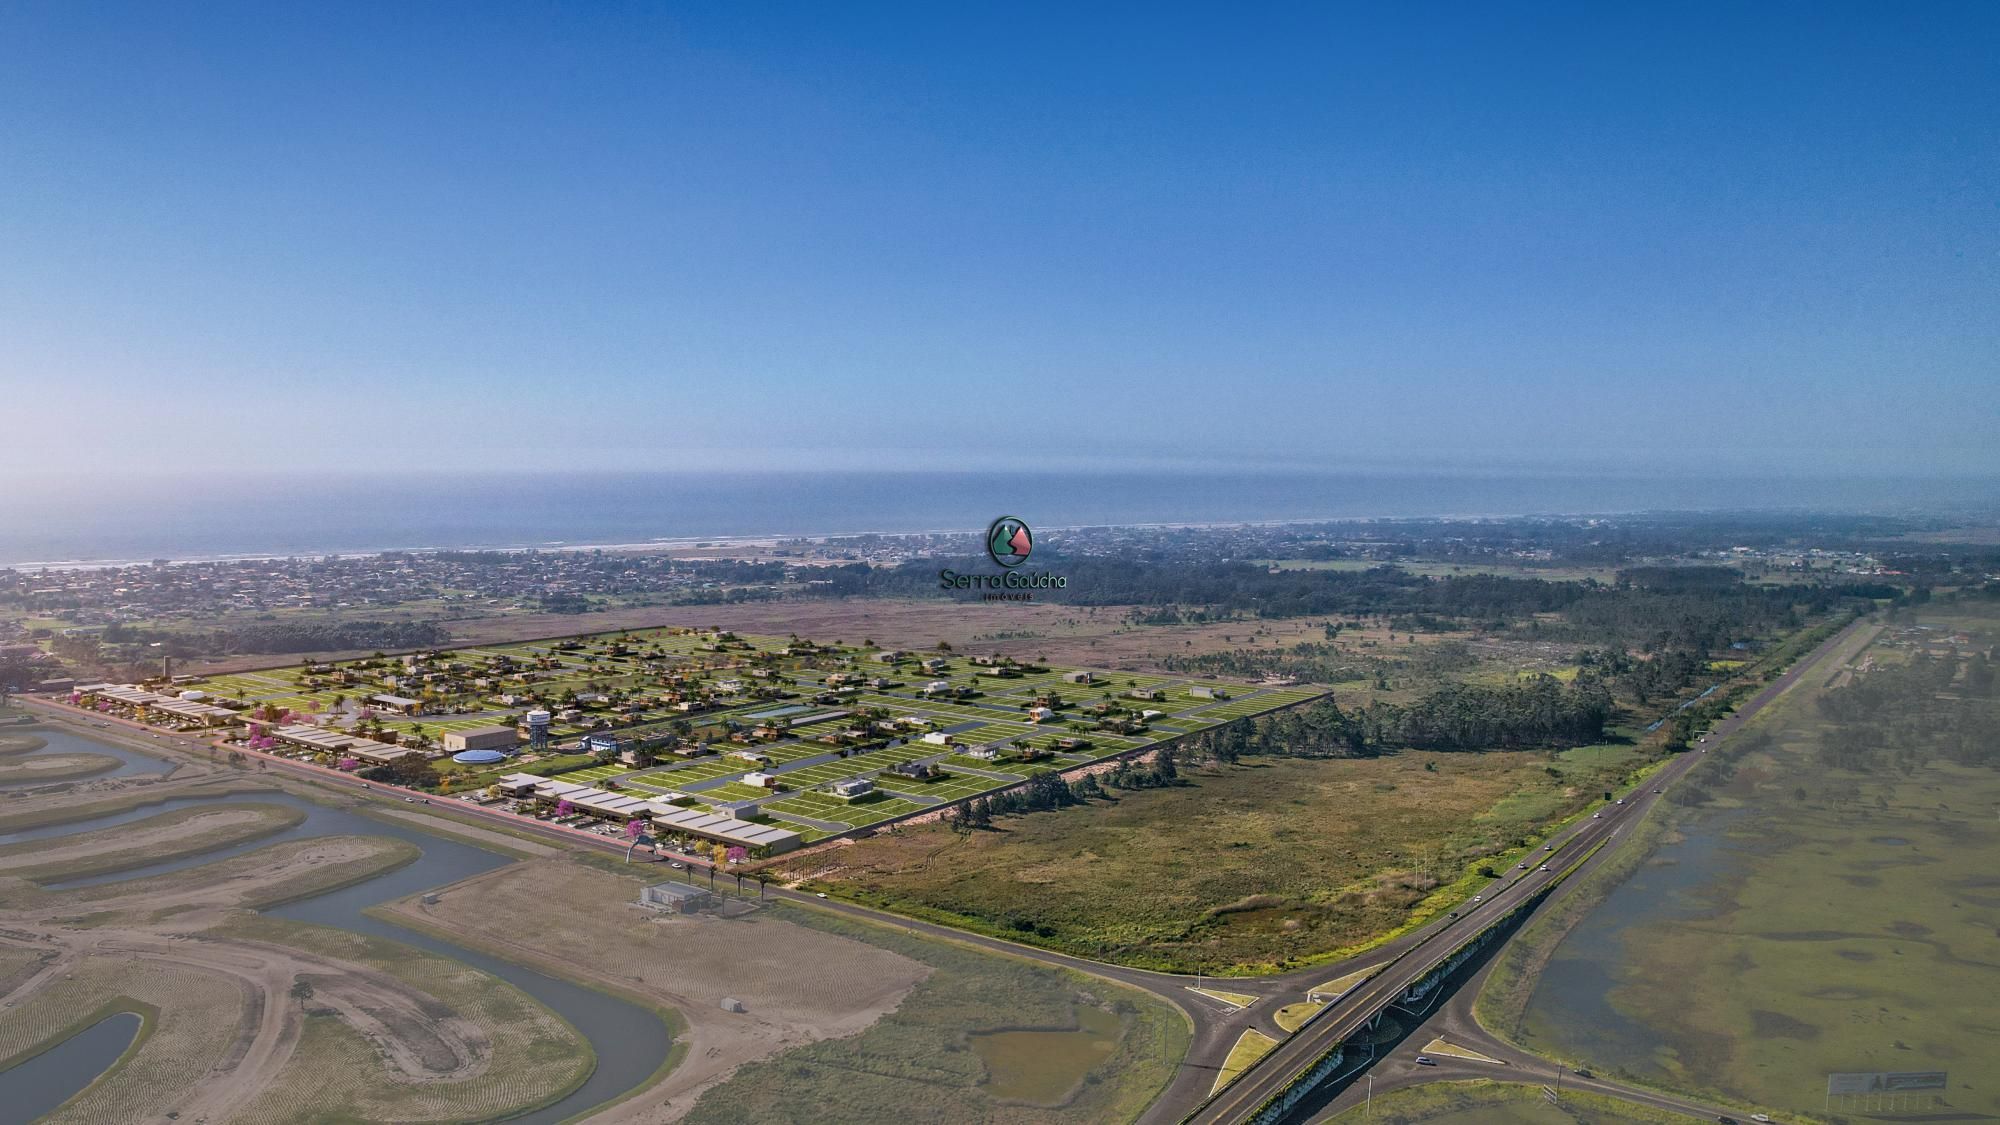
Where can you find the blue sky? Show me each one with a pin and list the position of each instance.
(1759, 237)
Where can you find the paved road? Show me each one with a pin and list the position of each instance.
(1342, 1020)
(1454, 1023)
(1215, 1025)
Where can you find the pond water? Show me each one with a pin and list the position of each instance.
(629, 1040)
(1042, 1067)
(1571, 1003)
(54, 1076)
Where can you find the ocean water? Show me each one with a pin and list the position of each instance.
(55, 521)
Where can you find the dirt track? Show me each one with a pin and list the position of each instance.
(159, 922)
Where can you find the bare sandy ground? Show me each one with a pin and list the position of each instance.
(137, 839)
(799, 985)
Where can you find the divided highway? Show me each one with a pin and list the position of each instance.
(1402, 962)
(1342, 1020)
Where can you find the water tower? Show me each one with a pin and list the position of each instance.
(538, 731)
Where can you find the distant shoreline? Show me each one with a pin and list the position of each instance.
(691, 542)
(269, 520)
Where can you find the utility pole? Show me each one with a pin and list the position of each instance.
(1559, 1081)
(1368, 1109)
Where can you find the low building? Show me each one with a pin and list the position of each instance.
(519, 784)
(761, 780)
(599, 744)
(1078, 678)
(1201, 692)
(988, 753)
(761, 839)
(1041, 714)
(396, 703)
(481, 738)
(853, 787)
(938, 738)
(677, 898)
(916, 771)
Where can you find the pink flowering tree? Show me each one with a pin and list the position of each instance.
(738, 854)
(564, 808)
(635, 828)
(350, 764)
(75, 698)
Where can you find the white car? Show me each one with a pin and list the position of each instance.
(1597, 816)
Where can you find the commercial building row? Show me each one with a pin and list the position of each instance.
(761, 839)
(188, 705)
(347, 745)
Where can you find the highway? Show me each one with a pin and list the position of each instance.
(1341, 1020)
(1215, 1025)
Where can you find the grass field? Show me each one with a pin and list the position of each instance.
(1241, 869)
(1500, 1103)
(1250, 1046)
(931, 1058)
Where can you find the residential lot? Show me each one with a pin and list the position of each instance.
(761, 729)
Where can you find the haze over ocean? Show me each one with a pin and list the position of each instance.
(301, 515)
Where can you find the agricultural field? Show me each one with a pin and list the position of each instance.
(1241, 868)
(1828, 906)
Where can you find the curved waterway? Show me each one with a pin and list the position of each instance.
(61, 741)
(629, 1040)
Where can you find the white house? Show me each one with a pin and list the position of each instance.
(853, 787)
(938, 738)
